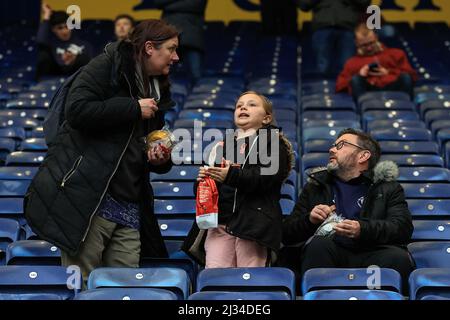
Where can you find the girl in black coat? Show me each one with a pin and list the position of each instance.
(256, 161)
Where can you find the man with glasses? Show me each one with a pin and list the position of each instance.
(60, 52)
(375, 67)
(376, 224)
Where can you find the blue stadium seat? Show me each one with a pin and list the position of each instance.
(247, 279)
(329, 115)
(177, 173)
(374, 115)
(325, 104)
(322, 133)
(427, 190)
(29, 233)
(201, 114)
(205, 124)
(173, 279)
(430, 254)
(423, 174)
(7, 146)
(9, 232)
(17, 173)
(428, 230)
(13, 188)
(25, 158)
(438, 125)
(227, 295)
(317, 146)
(402, 134)
(313, 160)
(173, 189)
(447, 154)
(126, 294)
(429, 281)
(433, 105)
(395, 124)
(331, 124)
(383, 95)
(29, 296)
(19, 123)
(33, 144)
(352, 295)
(26, 113)
(39, 280)
(32, 252)
(409, 147)
(175, 207)
(11, 208)
(442, 136)
(376, 104)
(418, 160)
(14, 133)
(351, 278)
(288, 191)
(175, 228)
(429, 207)
(287, 205)
(437, 114)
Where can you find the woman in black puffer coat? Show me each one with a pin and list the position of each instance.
(91, 196)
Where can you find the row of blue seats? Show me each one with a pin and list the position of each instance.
(37, 281)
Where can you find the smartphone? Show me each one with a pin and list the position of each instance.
(373, 66)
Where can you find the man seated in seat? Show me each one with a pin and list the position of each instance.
(60, 51)
(377, 223)
(375, 67)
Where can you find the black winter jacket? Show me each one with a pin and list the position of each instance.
(335, 13)
(257, 215)
(385, 218)
(188, 16)
(101, 114)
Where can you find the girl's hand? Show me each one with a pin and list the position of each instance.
(219, 174)
(202, 173)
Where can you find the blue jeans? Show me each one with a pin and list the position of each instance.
(403, 83)
(332, 45)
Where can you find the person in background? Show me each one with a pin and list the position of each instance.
(123, 26)
(189, 17)
(60, 51)
(279, 17)
(333, 23)
(375, 67)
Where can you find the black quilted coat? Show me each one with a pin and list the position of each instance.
(101, 113)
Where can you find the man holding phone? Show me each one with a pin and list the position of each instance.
(375, 67)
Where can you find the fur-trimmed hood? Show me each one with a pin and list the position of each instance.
(384, 171)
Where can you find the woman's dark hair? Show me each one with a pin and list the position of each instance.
(156, 31)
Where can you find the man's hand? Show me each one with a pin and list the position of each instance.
(156, 156)
(379, 72)
(320, 212)
(364, 71)
(46, 11)
(348, 228)
(68, 58)
(148, 108)
(202, 173)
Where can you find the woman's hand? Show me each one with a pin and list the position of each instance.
(148, 108)
(157, 156)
